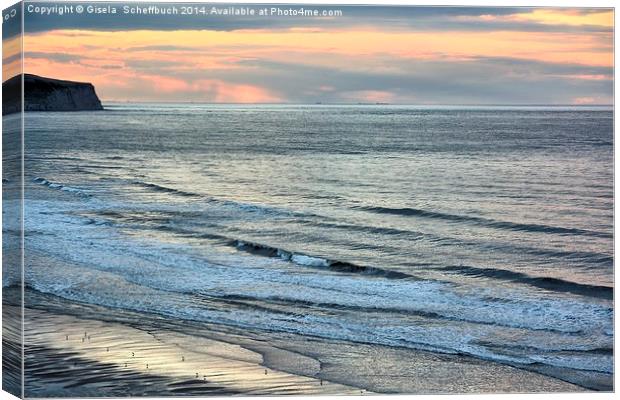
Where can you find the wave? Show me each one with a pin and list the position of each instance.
(252, 208)
(59, 186)
(298, 258)
(553, 284)
(398, 305)
(164, 189)
(317, 262)
(364, 228)
(412, 235)
(583, 256)
(514, 226)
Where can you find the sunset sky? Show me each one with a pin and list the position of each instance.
(414, 55)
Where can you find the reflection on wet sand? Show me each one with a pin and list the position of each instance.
(68, 353)
(76, 349)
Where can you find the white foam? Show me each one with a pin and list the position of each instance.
(58, 186)
(102, 266)
(309, 261)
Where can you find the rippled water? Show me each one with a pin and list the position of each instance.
(483, 231)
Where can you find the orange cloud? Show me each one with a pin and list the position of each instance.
(596, 48)
(552, 16)
(11, 59)
(233, 93)
(596, 77)
(583, 100)
(115, 60)
(370, 96)
(574, 17)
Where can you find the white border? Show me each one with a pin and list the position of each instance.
(493, 3)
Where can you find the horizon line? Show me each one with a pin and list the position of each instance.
(363, 104)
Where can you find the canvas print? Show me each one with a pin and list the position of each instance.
(210, 199)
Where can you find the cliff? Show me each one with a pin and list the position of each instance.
(47, 94)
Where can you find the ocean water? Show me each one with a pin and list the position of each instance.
(485, 231)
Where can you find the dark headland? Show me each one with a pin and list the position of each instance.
(47, 94)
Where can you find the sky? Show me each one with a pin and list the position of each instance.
(408, 55)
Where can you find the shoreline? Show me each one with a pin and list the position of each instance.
(155, 362)
(110, 350)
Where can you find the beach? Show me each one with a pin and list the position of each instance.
(88, 351)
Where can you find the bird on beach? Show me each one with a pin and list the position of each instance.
(147, 366)
(265, 372)
(107, 349)
(66, 337)
(182, 358)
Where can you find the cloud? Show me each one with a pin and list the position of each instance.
(387, 54)
(583, 100)
(12, 58)
(385, 78)
(484, 81)
(57, 57)
(151, 64)
(164, 48)
(153, 87)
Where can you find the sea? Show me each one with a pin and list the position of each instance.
(480, 231)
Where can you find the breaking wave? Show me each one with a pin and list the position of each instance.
(59, 186)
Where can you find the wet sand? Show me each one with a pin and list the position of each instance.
(69, 356)
(89, 351)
